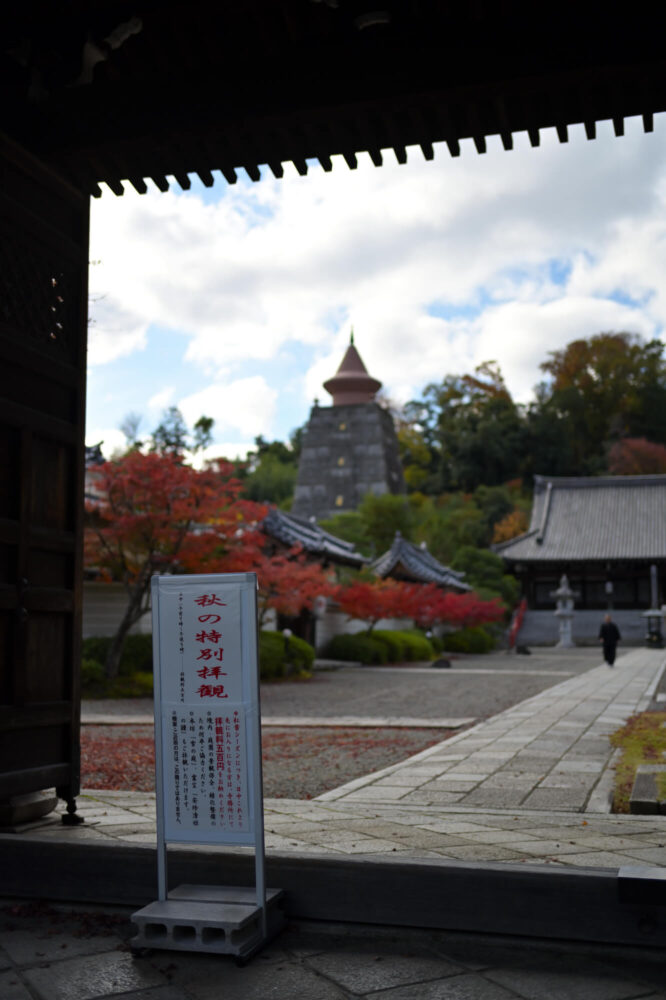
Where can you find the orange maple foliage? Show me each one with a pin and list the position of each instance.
(288, 583)
(513, 524)
(153, 513)
(425, 603)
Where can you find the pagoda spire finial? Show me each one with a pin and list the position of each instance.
(351, 383)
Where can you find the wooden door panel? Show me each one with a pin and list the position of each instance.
(43, 319)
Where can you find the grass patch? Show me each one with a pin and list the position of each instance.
(642, 741)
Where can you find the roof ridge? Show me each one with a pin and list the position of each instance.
(653, 478)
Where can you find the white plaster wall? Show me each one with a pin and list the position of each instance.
(103, 607)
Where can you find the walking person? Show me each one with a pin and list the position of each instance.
(609, 636)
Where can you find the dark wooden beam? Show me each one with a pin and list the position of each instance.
(591, 129)
(428, 151)
(376, 156)
(276, 169)
(160, 182)
(507, 140)
(138, 184)
(480, 143)
(301, 165)
(325, 161)
(253, 171)
(454, 147)
(562, 133)
(183, 180)
(535, 138)
(229, 174)
(648, 122)
(351, 160)
(618, 126)
(206, 177)
(400, 154)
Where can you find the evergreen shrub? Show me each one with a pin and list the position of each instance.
(137, 654)
(395, 642)
(276, 662)
(469, 640)
(93, 679)
(359, 648)
(417, 647)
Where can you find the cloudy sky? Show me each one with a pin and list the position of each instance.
(237, 302)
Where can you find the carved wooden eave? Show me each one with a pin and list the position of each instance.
(112, 92)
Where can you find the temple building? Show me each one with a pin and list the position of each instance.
(349, 448)
(607, 534)
(414, 564)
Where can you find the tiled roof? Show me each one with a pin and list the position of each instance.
(296, 531)
(593, 518)
(407, 561)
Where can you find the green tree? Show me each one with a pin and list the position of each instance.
(271, 471)
(350, 526)
(484, 571)
(172, 435)
(384, 515)
(596, 392)
(473, 429)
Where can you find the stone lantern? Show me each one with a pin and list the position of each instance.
(564, 611)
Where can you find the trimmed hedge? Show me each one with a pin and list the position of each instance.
(359, 648)
(137, 683)
(378, 647)
(276, 660)
(469, 640)
(405, 646)
(137, 655)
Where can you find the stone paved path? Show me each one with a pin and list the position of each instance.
(531, 784)
(548, 752)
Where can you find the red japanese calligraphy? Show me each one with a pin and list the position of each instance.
(205, 672)
(209, 619)
(211, 654)
(207, 599)
(211, 636)
(211, 691)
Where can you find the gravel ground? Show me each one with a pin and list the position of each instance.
(478, 686)
(298, 763)
(303, 763)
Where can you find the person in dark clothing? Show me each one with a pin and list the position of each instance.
(609, 636)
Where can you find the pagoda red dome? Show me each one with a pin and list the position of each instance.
(352, 383)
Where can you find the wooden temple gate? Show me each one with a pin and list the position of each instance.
(43, 318)
(111, 92)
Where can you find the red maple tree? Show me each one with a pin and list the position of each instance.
(288, 583)
(430, 606)
(636, 457)
(150, 513)
(370, 601)
(425, 603)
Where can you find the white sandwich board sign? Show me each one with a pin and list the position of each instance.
(207, 744)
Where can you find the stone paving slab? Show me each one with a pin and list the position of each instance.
(315, 961)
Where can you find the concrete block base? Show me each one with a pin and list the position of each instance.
(223, 920)
(645, 799)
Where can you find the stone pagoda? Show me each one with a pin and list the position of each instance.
(349, 448)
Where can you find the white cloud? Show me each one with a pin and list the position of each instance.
(246, 405)
(161, 399)
(438, 265)
(112, 440)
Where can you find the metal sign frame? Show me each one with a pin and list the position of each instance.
(174, 616)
